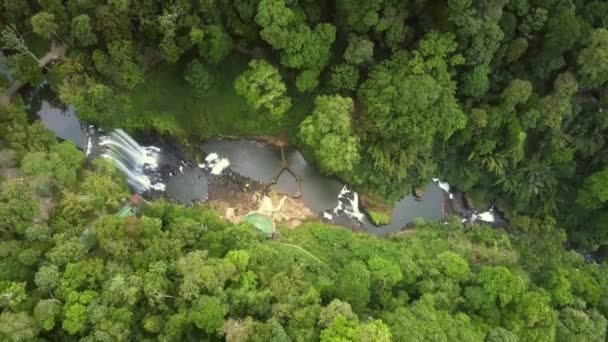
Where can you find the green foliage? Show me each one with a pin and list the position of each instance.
(62, 163)
(82, 30)
(263, 89)
(208, 314)
(302, 48)
(47, 312)
(379, 218)
(358, 16)
(577, 325)
(344, 78)
(17, 207)
(592, 60)
(198, 77)
(594, 192)
(96, 103)
(94, 274)
(215, 44)
(328, 134)
(120, 64)
(18, 326)
(17, 135)
(44, 25)
(353, 285)
(506, 103)
(359, 51)
(409, 104)
(476, 82)
(25, 68)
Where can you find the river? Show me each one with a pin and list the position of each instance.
(165, 172)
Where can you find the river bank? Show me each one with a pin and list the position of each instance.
(182, 175)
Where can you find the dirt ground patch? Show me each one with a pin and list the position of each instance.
(233, 204)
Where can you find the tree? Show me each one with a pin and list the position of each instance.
(44, 25)
(497, 290)
(14, 11)
(120, 64)
(577, 325)
(82, 31)
(96, 103)
(208, 314)
(375, 330)
(334, 309)
(594, 192)
(344, 78)
(358, 16)
(353, 285)
(215, 44)
(263, 90)
(476, 82)
(12, 294)
(17, 206)
(421, 320)
(360, 50)
(592, 60)
(46, 313)
(501, 334)
(409, 108)
(25, 68)
(328, 134)
(199, 77)
(18, 326)
(47, 277)
(302, 48)
(11, 40)
(62, 163)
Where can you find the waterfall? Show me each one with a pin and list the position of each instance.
(348, 204)
(138, 163)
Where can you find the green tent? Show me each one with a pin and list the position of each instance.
(126, 211)
(262, 222)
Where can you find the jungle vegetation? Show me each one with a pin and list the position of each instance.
(504, 99)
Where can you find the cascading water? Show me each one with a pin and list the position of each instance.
(138, 163)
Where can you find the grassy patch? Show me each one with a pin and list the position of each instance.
(379, 218)
(37, 45)
(378, 211)
(168, 103)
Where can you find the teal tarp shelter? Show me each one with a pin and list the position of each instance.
(262, 222)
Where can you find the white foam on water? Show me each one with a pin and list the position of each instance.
(352, 205)
(158, 186)
(89, 146)
(220, 166)
(486, 216)
(215, 163)
(445, 186)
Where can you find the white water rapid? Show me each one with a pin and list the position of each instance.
(137, 162)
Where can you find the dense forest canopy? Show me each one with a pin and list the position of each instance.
(504, 99)
(70, 269)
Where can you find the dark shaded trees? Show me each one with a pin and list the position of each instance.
(409, 106)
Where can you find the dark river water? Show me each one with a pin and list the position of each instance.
(319, 192)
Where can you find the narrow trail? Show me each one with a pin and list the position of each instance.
(57, 51)
(303, 251)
